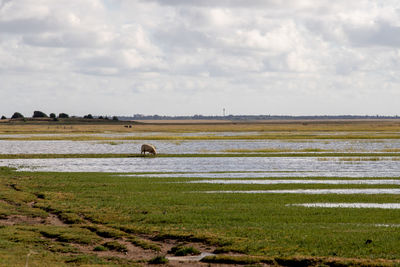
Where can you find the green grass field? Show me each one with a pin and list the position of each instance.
(97, 205)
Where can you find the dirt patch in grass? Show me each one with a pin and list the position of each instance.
(21, 219)
(129, 251)
(54, 220)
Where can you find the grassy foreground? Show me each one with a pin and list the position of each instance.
(97, 218)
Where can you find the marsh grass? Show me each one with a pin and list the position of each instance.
(294, 261)
(182, 250)
(70, 218)
(357, 159)
(159, 260)
(339, 126)
(241, 260)
(115, 245)
(46, 246)
(100, 248)
(261, 225)
(391, 150)
(106, 232)
(69, 235)
(145, 244)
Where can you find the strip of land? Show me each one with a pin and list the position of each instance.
(62, 126)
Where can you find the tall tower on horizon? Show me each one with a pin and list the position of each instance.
(223, 112)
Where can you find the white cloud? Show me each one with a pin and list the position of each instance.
(257, 56)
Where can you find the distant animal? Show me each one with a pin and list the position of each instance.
(148, 148)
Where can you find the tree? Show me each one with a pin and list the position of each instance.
(52, 115)
(88, 116)
(115, 118)
(39, 114)
(17, 115)
(3, 117)
(63, 116)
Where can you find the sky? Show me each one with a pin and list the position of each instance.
(186, 57)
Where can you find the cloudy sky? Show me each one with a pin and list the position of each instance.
(185, 57)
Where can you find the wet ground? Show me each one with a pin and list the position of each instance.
(350, 205)
(224, 170)
(222, 167)
(200, 146)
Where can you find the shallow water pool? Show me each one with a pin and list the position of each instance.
(222, 167)
(192, 146)
(350, 205)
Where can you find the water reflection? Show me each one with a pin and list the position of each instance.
(198, 146)
(350, 205)
(268, 182)
(226, 167)
(370, 191)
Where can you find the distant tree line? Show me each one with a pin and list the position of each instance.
(90, 116)
(40, 114)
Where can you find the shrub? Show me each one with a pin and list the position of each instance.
(183, 251)
(52, 115)
(89, 116)
(158, 260)
(17, 115)
(63, 116)
(39, 114)
(100, 248)
(70, 218)
(114, 245)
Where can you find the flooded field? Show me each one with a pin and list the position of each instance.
(350, 205)
(240, 171)
(198, 146)
(351, 191)
(310, 181)
(217, 167)
(294, 196)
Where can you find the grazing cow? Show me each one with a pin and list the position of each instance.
(148, 148)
